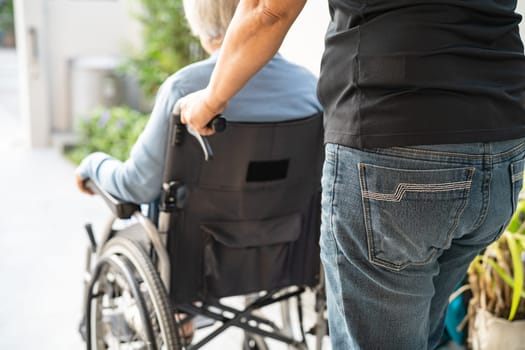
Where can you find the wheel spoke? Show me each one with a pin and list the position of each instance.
(133, 310)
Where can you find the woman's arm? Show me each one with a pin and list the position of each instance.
(253, 37)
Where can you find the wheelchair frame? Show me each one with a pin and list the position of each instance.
(211, 308)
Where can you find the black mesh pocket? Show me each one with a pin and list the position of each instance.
(248, 256)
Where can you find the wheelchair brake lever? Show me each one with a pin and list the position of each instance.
(218, 124)
(205, 145)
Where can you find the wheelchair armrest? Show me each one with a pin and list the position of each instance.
(121, 209)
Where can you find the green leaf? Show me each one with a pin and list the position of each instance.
(517, 267)
(504, 276)
(517, 218)
(167, 44)
(109, 130)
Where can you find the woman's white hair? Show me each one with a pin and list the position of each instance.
(209, 18)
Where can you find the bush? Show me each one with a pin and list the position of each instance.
(110, 130)
(167, 44)
(7, 21)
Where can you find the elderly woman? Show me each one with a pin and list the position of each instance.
(279, 91)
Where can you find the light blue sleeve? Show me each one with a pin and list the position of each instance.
(139, 178)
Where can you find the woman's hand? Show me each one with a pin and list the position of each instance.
(254, 36)
(197, 111)
(81, 184)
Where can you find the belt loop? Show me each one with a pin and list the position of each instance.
(487, 155)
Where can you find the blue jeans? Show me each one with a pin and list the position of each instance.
(400, 227)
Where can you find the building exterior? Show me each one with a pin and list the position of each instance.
(59, 42)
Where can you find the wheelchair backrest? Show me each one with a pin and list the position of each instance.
(249, 218)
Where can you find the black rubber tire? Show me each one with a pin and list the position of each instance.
(140, 262)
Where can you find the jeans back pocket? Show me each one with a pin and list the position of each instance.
(411, 214)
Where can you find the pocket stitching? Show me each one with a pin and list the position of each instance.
(460, 185)
(403, 187)
(517, 177)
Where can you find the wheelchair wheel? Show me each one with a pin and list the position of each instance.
(128, 307)
(254, 342)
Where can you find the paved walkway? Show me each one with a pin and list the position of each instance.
(41, 238)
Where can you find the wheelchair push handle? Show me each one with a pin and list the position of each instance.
(218, 124)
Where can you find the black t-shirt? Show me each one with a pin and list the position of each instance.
(409, 72)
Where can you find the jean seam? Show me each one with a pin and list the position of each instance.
(366, 214)
(514, 199)
(332, 202)
(516, 178)
(334, 255)
(463, 206)
(487, 167)
(340, 304)
(332, 193)
(516, 148)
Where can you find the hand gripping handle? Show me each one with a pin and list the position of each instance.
(218, 124)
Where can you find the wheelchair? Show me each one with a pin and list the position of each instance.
(243, 224)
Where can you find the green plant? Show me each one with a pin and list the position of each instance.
(496, 277)
(7, 21)
(167, 44)
(110, 130)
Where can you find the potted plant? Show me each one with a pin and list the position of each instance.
(496, 311)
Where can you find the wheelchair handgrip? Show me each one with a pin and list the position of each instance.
(121, 209)
(218, 124)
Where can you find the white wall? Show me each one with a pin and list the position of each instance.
(304, 43)
(33, 74)
(79, 28)
(521, 10)
(59, 31)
